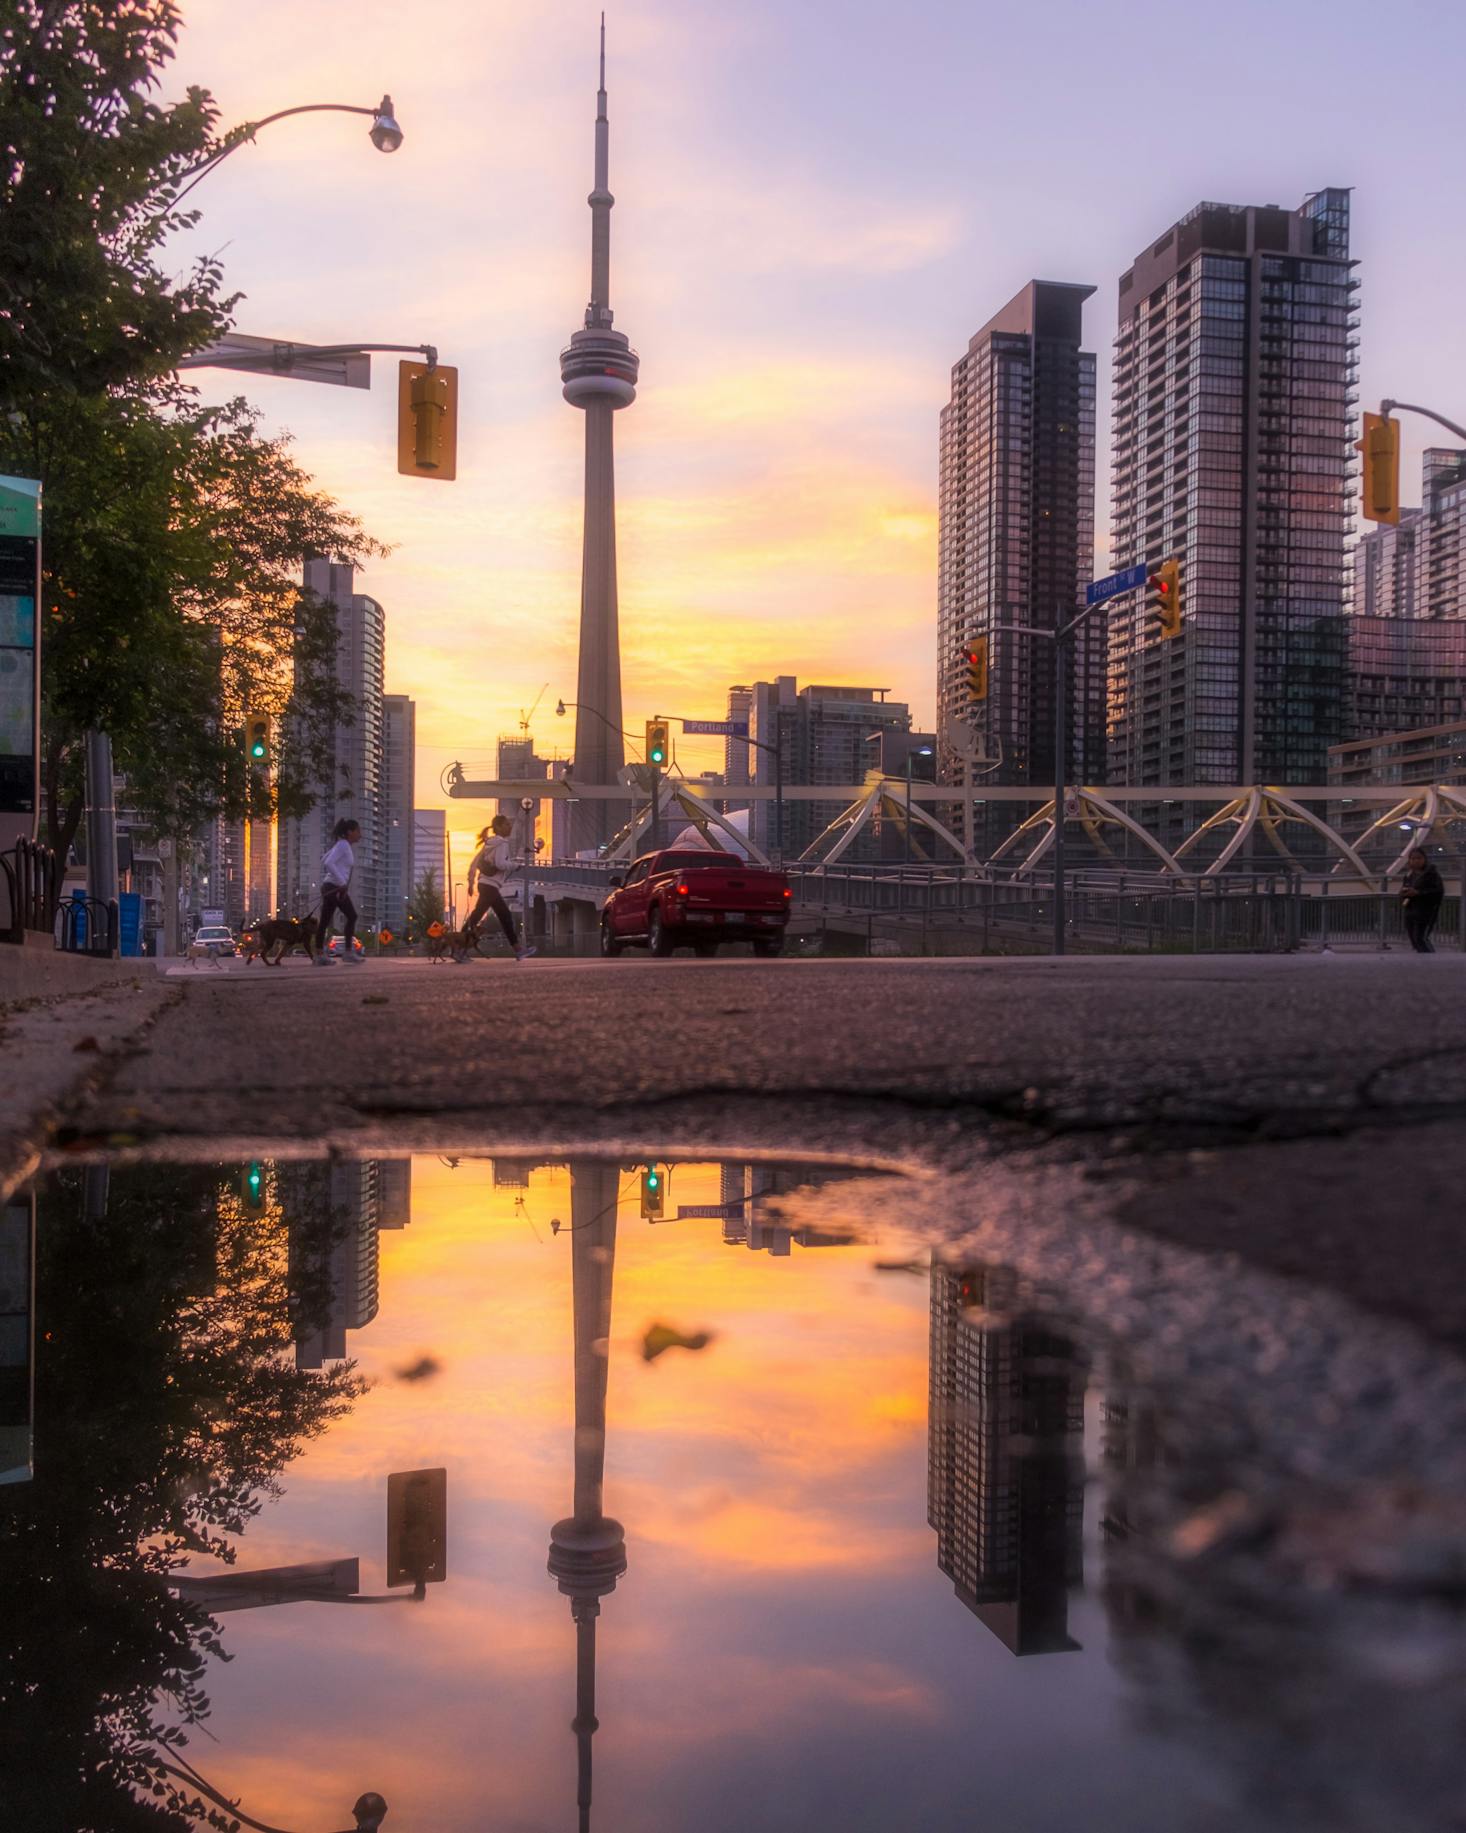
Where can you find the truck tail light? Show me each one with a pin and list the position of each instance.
(788, 892)
(683, 890)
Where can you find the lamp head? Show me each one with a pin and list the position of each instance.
(560, 708)
(386, 134)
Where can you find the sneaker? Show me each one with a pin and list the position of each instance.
(355, 959)
(524, 951)
(323, 961)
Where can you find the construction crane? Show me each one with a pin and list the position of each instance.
(525, 718)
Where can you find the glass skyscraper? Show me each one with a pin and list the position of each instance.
(1235, 365)
(1016, 542)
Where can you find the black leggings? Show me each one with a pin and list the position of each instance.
(1420, 919)
(334, 898)
(489, 899)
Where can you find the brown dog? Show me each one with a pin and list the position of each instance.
(453, 945)
(277, 936)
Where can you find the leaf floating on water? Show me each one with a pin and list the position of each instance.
(661, 1337)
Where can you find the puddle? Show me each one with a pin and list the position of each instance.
(754, 1517)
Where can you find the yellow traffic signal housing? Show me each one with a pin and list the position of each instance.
(1165, 582)
(653, 1193)
(257, 739)
(1380, 449)
(658, 742)
(427, 420)
(417, 1527)
(976, 653)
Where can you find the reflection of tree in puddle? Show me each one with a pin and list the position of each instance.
(167, 1403)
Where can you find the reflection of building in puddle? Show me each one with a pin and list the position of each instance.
(745, 1189)
(588, 1548)
(1005, 1465)
(333, 1214)
(1132, 1452)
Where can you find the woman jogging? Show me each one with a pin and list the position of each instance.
(336, 870)
(489, 864)
(1421, 895)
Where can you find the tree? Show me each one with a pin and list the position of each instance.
(174, 532)
(427, 905)
(90, 166)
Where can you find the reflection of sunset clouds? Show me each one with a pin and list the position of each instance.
(738, 1473)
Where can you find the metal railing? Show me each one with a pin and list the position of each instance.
(88, 927)
(32, 875)
(976, 908)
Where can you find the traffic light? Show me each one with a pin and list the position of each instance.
(658, 747)
(427, 420)
(254, 1185)
(1165, 582)
(653, 1193)
(1380, 448)
(257, 739)
(417, 1528)
(976, 653)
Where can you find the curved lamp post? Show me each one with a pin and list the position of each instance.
(385, 135)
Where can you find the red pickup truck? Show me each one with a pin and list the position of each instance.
(686, 897)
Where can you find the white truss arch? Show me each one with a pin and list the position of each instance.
(1267, 808)
(626, 844)
(1094, 813)
(888, 795)
(1423, 812)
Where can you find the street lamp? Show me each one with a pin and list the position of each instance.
(384, 133)
(911, 752)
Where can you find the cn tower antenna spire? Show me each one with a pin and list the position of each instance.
(598, 374)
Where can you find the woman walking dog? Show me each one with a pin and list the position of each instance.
(489, 864)
(336, 868)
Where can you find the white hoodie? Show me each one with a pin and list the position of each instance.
(337, 864)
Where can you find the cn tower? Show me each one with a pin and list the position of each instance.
(598, 372)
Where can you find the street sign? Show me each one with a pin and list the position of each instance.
(275, 356)
(1098, 590)
(716, 728)
(707, 1212)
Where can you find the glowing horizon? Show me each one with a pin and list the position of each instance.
(809, 227)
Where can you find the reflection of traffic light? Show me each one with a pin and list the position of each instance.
(653, 1193)
(658, 748)
(254, 1185)
(257, 738)
(1380, 448)
(976, 654)
(427, 420)
(417, 1527)
(1165, 583)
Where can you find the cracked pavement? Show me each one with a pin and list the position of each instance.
(1303, 1113)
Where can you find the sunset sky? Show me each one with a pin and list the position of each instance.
(816, 207)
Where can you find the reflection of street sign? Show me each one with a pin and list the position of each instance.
(225, 1591)
(1098, 590)
(716, 728)
(417, 1527)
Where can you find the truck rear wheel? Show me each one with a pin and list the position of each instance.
(657, 939)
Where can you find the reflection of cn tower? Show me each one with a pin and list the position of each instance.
(588, 1550)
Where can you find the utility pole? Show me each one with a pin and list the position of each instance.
(101, 834)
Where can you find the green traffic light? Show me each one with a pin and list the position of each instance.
(257, 750)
